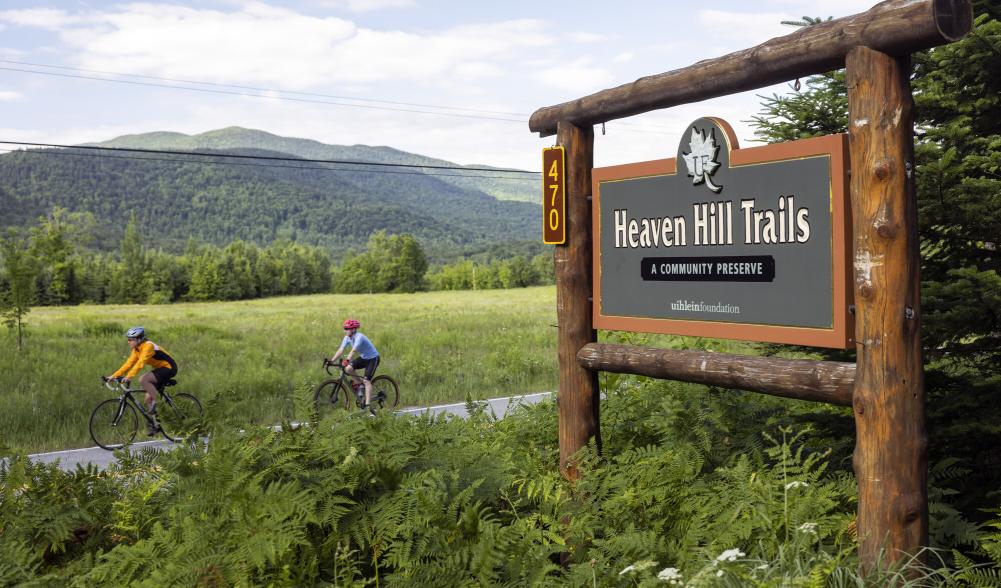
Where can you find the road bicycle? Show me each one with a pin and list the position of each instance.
(339, 391)
(115, 421)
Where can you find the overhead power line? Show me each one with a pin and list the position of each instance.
(270, 158)
(260, 89)
(264, 96)
(309, 97)
(70, 153)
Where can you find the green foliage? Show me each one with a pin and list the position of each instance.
(390, 263)
(513, 272)
(957, 96)
(311, 204)
(66, 272)
(253, 356)
(18, 273)
(401, 501)
(522, 187)
(820, 109)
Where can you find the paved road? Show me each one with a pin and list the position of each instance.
(70, 458)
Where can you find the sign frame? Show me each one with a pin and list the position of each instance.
(554, 156)
(841, 333)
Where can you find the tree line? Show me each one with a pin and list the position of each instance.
(54, 263)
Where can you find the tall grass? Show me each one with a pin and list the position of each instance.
(251, 359)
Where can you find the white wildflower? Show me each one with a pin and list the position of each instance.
(638, 566)
(808, 528)
(672, 575)
(719, 573)
(730, 555)
(796, 484)
(763, 566)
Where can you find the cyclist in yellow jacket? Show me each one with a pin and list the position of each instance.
(146, 352)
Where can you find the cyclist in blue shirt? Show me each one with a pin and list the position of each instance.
(367, 356)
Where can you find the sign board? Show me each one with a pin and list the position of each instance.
(725, 242)
(554, 196)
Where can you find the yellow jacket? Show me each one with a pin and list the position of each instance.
(145, 353)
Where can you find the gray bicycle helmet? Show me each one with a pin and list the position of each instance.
(136, 333)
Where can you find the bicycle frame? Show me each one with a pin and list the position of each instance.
(348, 380)
(125, 396)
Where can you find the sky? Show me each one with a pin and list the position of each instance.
(456, 80)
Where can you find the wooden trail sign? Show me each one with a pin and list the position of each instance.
(885, 387)
(724, 242)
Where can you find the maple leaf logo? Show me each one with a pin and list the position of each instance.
(701, 161)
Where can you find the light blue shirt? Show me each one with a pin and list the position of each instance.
(361, 345)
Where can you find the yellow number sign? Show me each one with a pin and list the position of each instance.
(554, 201)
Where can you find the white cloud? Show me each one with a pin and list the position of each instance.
(10, 96)
(45, 18)
(576, 77)
(751, 28)
(261, 44)
(367, 5)
(475, 70)
(624, 57)
(256, 44)
(580, 37)
(383, 55)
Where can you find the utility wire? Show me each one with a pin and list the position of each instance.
(247, 95)
(482, 112)
(300, 167)
(258, 89)
(269, 158)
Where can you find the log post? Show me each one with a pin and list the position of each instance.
(802, 379)
(890, 459)
(577, 398)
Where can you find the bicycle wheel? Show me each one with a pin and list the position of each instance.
(180, 416)
(385, 392)
(114, 424)
(330, 395)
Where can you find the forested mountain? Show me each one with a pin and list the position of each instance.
(218, 200)
(519, 187)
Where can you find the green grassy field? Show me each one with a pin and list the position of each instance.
(256, 361)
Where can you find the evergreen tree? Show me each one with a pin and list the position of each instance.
(19, 270)
(127, 282)
(957, 94)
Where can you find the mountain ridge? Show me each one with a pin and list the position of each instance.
(217, 200)
(517, 187)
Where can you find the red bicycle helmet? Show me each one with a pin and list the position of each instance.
(351, 324)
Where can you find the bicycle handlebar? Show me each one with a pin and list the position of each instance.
(327, 364)
(112, 383)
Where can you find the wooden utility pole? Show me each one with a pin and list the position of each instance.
(891, 461)
(578, 393)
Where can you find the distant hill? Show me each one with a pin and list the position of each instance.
(522, 189)
(261, 201)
